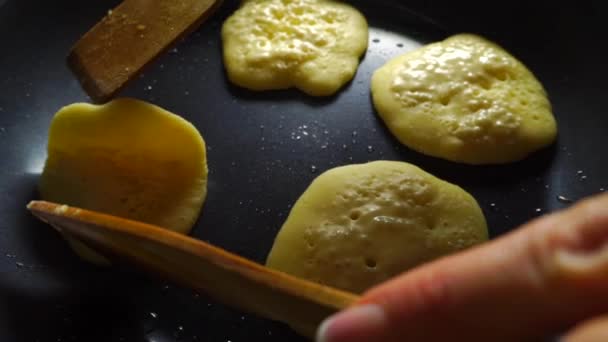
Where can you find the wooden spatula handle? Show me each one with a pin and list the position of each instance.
(224, 276)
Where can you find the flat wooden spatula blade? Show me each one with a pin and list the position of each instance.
(129, 38)
(224, 276)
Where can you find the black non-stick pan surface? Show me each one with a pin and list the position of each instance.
(263, 150)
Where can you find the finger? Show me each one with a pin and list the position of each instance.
(595, 330)
(541, 278)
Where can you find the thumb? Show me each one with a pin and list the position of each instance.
(538, 280)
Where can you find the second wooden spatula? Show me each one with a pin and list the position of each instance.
(129, 38)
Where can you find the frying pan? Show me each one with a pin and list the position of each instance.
(264, 149)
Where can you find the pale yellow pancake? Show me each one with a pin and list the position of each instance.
(126, 158)
(313, 45)
(358, 225)
(464, 99)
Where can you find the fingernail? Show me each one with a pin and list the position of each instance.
(360, 323)
(583, 262)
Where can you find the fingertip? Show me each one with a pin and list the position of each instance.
(321, 335)
(360, 323)
(594, 330)
(580, 246)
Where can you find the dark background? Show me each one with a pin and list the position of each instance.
(264, 149)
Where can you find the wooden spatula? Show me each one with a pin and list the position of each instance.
(224, 276)
(130, 37)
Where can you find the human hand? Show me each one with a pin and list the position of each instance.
(537, 281)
